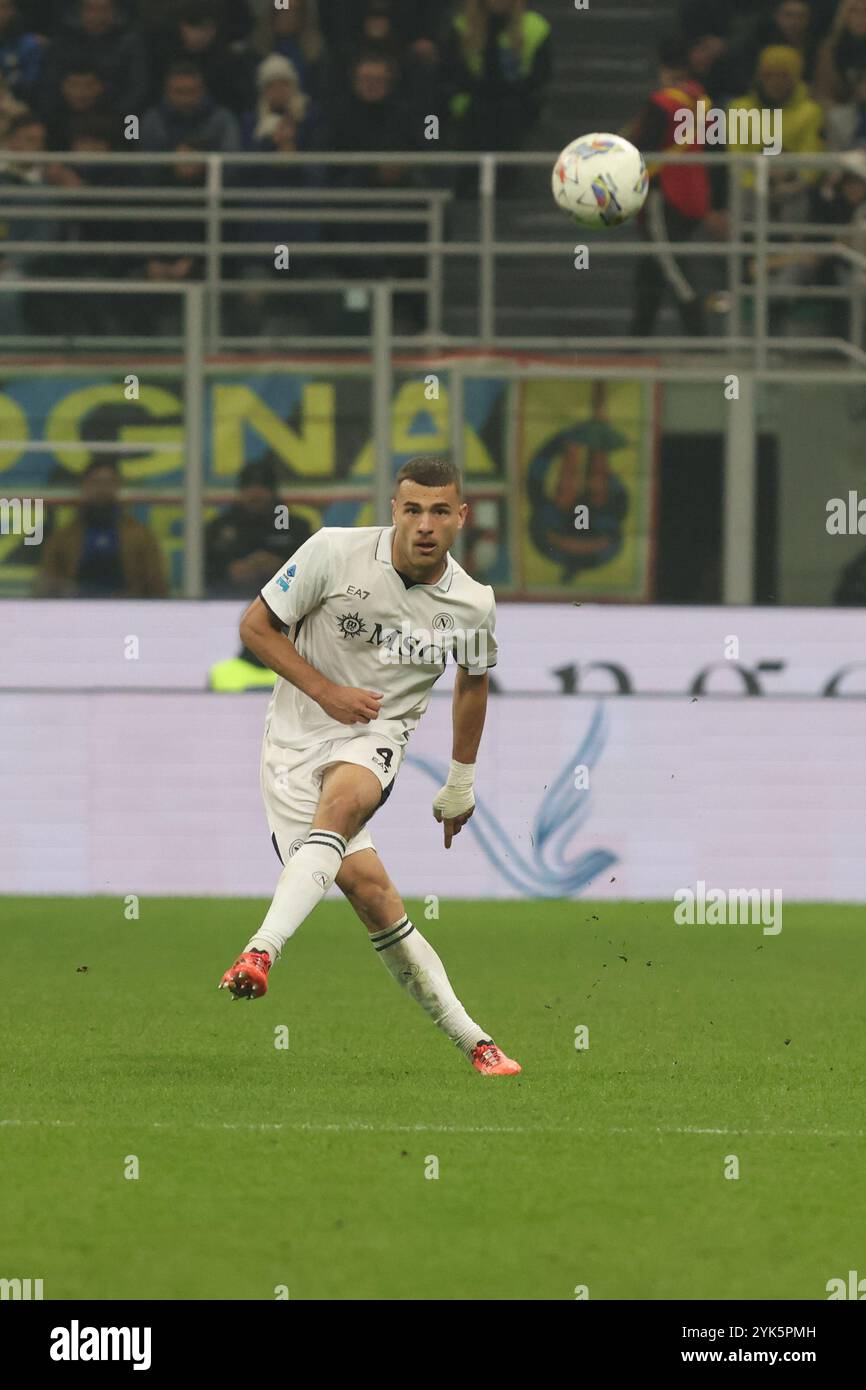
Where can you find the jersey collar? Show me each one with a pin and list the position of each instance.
(383, 554)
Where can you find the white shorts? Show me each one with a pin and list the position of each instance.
(291, 781)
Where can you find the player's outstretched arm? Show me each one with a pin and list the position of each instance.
(455, 802)
(261, 631)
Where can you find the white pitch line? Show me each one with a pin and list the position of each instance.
(359, 1126)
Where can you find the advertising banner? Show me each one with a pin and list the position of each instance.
(560, 474)
(587, 459)
(311, 422)
(635, 799)
(586, 649)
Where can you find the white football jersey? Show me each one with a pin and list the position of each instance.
(351, 616)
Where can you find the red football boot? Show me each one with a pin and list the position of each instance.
(492, 1061)
(248, 977)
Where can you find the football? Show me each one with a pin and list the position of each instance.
(600, 180)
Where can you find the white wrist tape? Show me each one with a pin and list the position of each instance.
(457, 796)
(461, 776)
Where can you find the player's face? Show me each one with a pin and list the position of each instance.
(427, 520)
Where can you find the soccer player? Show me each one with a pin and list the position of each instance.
(372, 612)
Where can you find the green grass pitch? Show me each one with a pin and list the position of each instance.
(305, 1167)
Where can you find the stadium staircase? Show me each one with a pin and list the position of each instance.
(604, 65)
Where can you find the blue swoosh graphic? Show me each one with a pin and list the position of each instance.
(550, 873)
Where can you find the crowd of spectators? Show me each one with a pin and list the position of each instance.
(364, 77)
(242, 77)
(103, 551)
(804, 59)
(235, 77)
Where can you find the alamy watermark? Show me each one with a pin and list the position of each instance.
(24, 1289)
(22, 516)
(77, 1343)
(729, 907)
(854, 1287)
(741, 125)
(422, 647)
(846, 516)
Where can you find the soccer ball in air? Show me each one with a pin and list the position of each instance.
(601, 180)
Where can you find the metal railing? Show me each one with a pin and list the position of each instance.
(740, 428)
(192, 299)
(757, 358)
(221, 203)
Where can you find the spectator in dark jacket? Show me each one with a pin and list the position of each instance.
(413, 26)
(26, 135)
(97, 314)
(372, 117)
(789, 22)
(842, 55)
(247, 542)
(196, 36)
(415, 22)
(82, 93)
(49, 17)
(20, 53)
(706, 30)
(497, 60)
(395, 28)
(181, 262)
(97, 37)
(234, 17)
(188, 114)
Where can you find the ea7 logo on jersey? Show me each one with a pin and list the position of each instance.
(285, 580)
(357, 593)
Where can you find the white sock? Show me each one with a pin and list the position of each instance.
(303, 883)
(416, 966)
